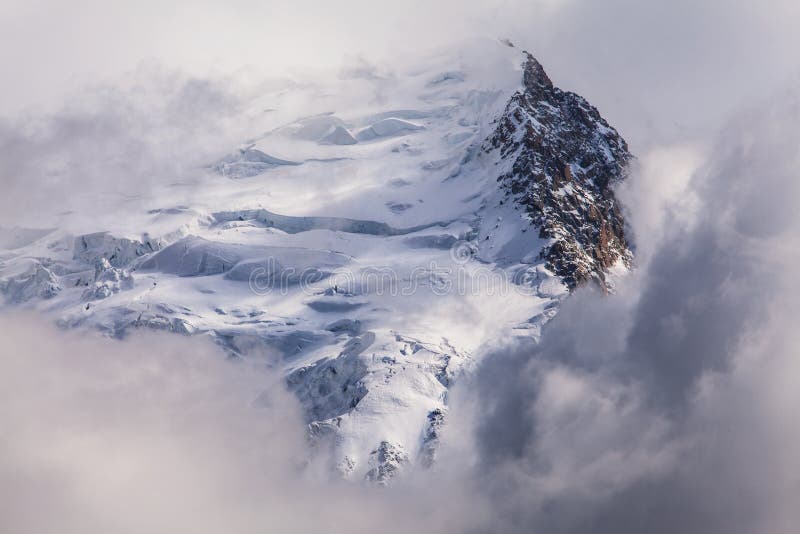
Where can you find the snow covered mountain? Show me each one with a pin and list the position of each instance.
(369, 248)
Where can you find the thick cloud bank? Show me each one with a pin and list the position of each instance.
(161, 433)
(670, 407)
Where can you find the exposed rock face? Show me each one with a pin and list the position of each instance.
(386, 461)
(430, 441)
(559, 161)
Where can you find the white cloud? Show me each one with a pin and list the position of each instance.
(160, 433)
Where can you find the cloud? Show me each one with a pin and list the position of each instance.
(660, 70)
(114, 145)
(667, 408)
(92, 41)
(160, 433)
(663, 71)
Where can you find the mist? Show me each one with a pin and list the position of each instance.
(163, 433)
(662, 72)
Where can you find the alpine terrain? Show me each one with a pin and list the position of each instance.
(370, 247)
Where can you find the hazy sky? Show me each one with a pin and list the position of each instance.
(658, 69)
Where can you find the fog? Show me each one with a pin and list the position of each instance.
(161, 433)
(661, 71)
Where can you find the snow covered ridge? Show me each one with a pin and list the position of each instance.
(370, 247)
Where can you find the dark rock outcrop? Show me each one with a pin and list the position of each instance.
(560, 160)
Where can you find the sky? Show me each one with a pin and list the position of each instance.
(669, 407)
(659, 70)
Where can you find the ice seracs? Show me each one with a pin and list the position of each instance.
(389, 126)
(248, 162)
(339, 135)
(107, 280)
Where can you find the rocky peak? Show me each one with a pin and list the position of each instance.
(534, 77)
(558, 160)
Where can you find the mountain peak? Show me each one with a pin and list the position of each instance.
(560, 160)
(534, 77)
(331, 238)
